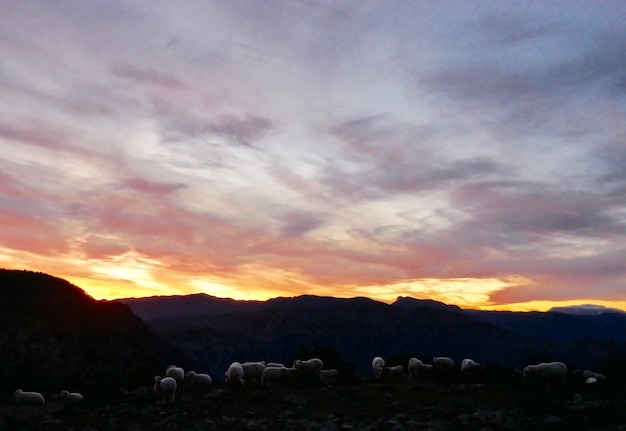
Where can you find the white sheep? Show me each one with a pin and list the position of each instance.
(328, 376)
(378, 365)
(234, 374)
(414, 367)
(165, 388)
(395, 372)
(175, 372)
(590, 374)
(198, 379)
(469, 366)
(276, 375)
(443, 365)
(32, 398)
(72, 398)
(591, 381)
(253, 370)
(274, 365)
(309, 367)
(548, 373)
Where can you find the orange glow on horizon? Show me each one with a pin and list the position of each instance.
(133, 276)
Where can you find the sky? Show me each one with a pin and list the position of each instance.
(471, 152)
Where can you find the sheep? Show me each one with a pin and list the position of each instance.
(378, 365)
(274, 365)
(590, 374)
(444, 367)
(443, 363)
(71, 398)
(165, 388)
(253, 370)
(175, 372)
(198, 380)
(276, 375)
(470, 369)
(548, 373)
(591, 381)
(234, 374)
(309, 367)
(32, 398)
(414, 367)
(468, 365)
(328, 376)
(396, 372)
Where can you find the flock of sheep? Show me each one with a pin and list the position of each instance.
(36, 398)
(238, 374)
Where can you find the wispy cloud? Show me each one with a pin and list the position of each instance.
(258, 149)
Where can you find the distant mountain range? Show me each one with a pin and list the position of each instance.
(54, 336)
(216, 331)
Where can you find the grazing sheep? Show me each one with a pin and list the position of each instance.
(591, 381)
(328, 376)
(277, 375)
(274, 365)
(198, 379)
(396, 372)
(548, 373)
(443, 363)
(165, 389)
(175, 372)
(234, 374)
(378, 365)
(32, 398)
(469, 366)
(444, 367)
(73, 398)
(308, 367)
(470, 369)
(590, 374)
(414, 367)
(253, 370)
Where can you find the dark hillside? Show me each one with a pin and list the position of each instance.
(357, 330)
(557, 326)
(54, 336)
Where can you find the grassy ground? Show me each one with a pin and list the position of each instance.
(359, 404)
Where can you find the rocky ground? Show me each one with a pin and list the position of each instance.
(361, 404)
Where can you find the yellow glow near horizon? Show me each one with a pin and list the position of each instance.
(133, 275)
(458, 291)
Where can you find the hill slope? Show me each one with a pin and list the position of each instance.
(54, 336)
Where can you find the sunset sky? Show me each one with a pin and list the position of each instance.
(472, 152)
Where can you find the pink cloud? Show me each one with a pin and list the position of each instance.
(32, 234)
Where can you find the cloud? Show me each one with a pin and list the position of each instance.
(150, 77)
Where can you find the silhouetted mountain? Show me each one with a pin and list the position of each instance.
(406, 301)
(54, 336)
(155, 307)
(586, 309)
